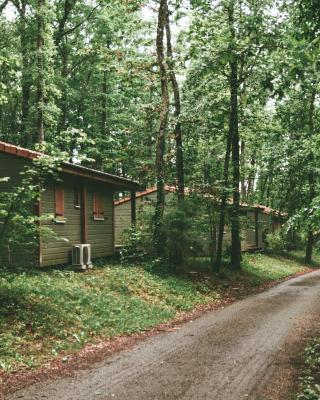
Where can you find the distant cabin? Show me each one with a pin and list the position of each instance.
(123, 209)
(81, 205)
(259, 220)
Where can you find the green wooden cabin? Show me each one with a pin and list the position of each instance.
(257, 220)
(81, 205)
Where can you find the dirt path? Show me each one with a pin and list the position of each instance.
(228, 354)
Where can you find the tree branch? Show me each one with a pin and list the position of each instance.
(83, 21)
(3, 5)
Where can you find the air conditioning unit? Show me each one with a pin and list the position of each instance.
(81, 256)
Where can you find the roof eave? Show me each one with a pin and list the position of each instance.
(117, 182)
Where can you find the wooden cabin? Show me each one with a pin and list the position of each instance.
(123, 211)
(80, 205)
(257, 220)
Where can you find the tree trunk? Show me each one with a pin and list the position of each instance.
(311, 179)
(64, 98)
(251, 177)
(223, 205)
(177, 112)
(242, 162)
(104, 104)
(234, 133)
(40, 70)
(211, 209)
(160, 146)
(3, 5)
(25, 76)
(235, 218)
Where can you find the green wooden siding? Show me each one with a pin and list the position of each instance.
(100, 233)
(11, 166)
(58, 251)
(123, 221)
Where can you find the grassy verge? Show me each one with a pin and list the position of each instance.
(310, 378)
(45, 313)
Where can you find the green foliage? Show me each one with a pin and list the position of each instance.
(44, 313)
(276, 241)
(19, 223)
(47, 313)
(136, 243)
(270, 267)
(177, 238)
(310, 385)
(102, 94)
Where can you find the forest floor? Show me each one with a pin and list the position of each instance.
(240, 351)
(54, 320)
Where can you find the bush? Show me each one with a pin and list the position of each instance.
(179, 237)
(136, 243)
(276, 241)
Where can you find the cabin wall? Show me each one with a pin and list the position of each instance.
(249, 236)
(58, 250)
(20, 254)
(265, 226)
(250, 232)
(100, 233)
(122, 215)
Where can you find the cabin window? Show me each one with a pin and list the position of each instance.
(77, 198)
(98, 213)
(59, 204)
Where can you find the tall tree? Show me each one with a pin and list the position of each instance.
(161, 134)
(177, 113)
(234, 134)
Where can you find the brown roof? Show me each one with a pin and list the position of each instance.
(73, 169)
(153, 189)
(145, 192)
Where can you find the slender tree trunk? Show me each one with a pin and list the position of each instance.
(40, 70)
(104, 104)
(242, 163)
(223, 205)
(234, 129)
(310, 237)
(25, 75)
(177, 112)
(311, 180)
(64, 98)
(235, 215)
(251, 176)
(160, 146)
(211, 209)
(61, 41)
(179, 256)
(263, 183)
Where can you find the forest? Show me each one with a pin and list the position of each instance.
(218, 97)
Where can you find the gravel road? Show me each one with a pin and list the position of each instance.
(227, 354)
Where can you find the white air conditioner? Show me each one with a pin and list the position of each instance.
(81, 256)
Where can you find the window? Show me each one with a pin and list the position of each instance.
(98, 214)
(77, 197)
(59, 203)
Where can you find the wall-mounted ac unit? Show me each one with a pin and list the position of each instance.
(81, 256)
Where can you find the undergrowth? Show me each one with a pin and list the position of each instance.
(44, 313)
(310, 379)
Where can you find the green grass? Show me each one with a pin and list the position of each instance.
(264, 268)
(43, 313)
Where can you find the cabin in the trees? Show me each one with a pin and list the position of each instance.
(123, 209)
(80, 203)
(258, 220)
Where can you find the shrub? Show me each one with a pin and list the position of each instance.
(136, 243)
(276, 241)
